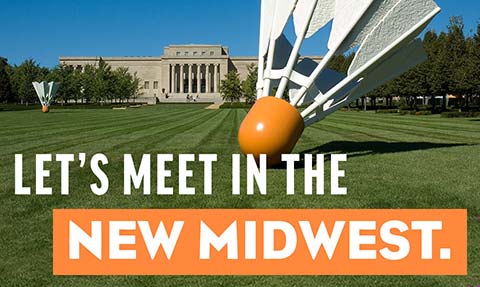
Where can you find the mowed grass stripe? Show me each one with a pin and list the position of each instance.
(67, 121)
(60, 140)
(435, 122)
(62, 130)
(161, 142)
(198, 136)
(461, 124)
(225, 137)
(410, 130)
(97, 125)
(32, 120)
(319, 134)
(348, 132)
(153, 138)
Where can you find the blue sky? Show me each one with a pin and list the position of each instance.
(44, 30)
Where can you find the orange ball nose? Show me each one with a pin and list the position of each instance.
(45, 109)
(272, 127)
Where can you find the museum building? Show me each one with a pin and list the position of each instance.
(185, 73)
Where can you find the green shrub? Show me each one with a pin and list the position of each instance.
(423, 113)
(239, 105)
(18, 107)
(351, 109)
(69, 106)
(459, 114)
(415, 113)
(424, 108)
(387, 111)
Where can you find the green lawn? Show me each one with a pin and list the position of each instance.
(394, 162)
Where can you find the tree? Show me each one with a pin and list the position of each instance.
(70, 83)
(438, 77)
(135, 87)
(126, 86)
(341, 63)
(456, 49)
(99, 84)
(6, 93)
(122, 83)
(231, 88)
(472, 67)
(22, 78)
(103, 85)
(413, 84)
(249, 86)
(87, 80)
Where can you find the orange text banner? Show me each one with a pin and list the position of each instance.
(259, 242)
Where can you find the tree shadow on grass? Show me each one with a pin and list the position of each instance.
(358, 149)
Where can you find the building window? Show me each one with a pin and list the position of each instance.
(204, 53)
(211, 53)
(186, 53)
(178, 54)
(195, 53)
(155, 85)
(146, 85)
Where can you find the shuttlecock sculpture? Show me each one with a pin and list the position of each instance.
(381, 32)
(46, 93)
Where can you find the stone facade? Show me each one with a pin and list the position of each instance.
(185, 73)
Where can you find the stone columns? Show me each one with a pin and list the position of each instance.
(208, 78)
(190, 78)
(199, 83)
(182, 78)
(172, 79)
(215, 78)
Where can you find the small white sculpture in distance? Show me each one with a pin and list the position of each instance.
(382, 33)
(46, 92)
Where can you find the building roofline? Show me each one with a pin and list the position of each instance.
(194, 45)
(256, 57)
(93, 58)
(246, 58)
(147, 58)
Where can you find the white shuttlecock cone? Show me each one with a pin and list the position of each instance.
(382, 31)
(46, 93)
